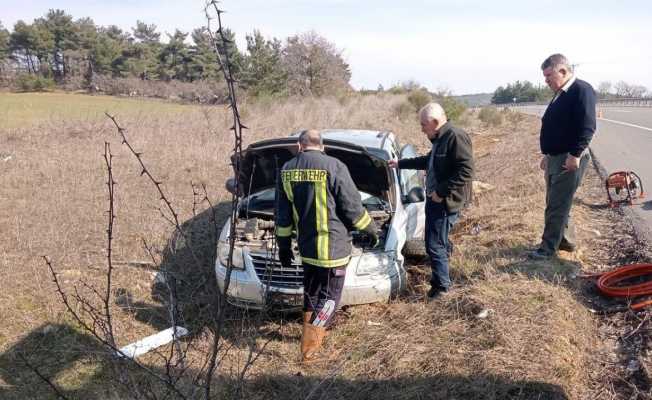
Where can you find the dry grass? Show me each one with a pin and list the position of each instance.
(536, 342)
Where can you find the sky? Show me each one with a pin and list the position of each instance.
(466, 46)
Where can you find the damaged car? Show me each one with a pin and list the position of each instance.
(393, 198)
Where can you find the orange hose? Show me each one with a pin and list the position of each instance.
(608, 283)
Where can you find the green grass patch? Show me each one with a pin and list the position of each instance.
(26, 109)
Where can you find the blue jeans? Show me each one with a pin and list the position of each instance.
(438, 224)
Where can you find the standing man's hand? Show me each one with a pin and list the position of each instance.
(392, 163)
(572, 163)
(435, 197)
(544, 163)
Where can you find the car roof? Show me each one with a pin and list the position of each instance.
(361, 137)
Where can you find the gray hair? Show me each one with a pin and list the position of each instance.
(310, 138)
(433, 111)
(556, 62)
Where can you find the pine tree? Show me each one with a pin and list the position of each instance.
(141, 58)
(203, 61)
(31, 47)
(64, 38)
(263, 72)
(174, 58)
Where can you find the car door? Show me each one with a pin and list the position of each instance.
(411, 183)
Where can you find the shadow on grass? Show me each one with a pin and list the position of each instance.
(431, 387)
(555, 269)
(73, 361)
(62, 354)
(592, 206)
(189, 262)
(560, 270)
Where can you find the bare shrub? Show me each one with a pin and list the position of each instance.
(203, 92)
(514, 117)
(314, 66)
(419, 98)
(404, 111)
(490, 116)
(453, 108)
(33, 83)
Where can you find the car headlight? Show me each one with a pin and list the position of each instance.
(223, 254)
(374, 263)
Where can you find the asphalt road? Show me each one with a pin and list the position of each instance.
(623, 142)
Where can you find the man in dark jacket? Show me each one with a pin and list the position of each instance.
(318, 199)
(567, 127)
(449, 176)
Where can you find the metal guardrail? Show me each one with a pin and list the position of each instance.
(624, 102)
(633, 102)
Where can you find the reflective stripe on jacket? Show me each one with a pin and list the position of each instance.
(317, 198)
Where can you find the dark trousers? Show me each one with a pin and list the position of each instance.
(438, 225)
(320, 285)
(560, 190)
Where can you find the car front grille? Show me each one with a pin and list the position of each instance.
(271, 273)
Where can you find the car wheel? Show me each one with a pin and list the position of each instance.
(415, 248)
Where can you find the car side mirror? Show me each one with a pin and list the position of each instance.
(230, 185)
(415, 195)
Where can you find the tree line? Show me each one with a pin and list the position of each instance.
(59, 47)
(525, 91)
(520, 92)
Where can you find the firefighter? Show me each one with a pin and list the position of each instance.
(317, 199)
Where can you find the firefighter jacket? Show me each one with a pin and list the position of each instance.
(317, 198)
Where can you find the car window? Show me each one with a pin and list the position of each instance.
(410, 178)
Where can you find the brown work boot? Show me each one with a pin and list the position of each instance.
(311, 339)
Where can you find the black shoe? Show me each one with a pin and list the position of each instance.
(567, 246)
(436, 293)
(539, 254)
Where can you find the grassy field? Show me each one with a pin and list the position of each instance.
(538, 341)
(27, 109)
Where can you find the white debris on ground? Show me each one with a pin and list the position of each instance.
(149, 343)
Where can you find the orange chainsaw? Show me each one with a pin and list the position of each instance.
(624, 187)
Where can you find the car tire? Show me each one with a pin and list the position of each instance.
(415, 248)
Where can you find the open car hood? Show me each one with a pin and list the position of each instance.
(262, 160)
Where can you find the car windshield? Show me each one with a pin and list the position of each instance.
(263, 202)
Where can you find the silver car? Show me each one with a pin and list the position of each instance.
(393, 198)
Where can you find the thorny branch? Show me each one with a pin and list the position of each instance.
(194, 199)
(98, 320)
(174, 220)
(223, 59)
(158, 184)
(93, 332)
(102, 319)
(108, 158)
(144, 171)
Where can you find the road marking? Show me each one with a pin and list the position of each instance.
(626, 124)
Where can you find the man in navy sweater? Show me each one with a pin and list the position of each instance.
(567, 127)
